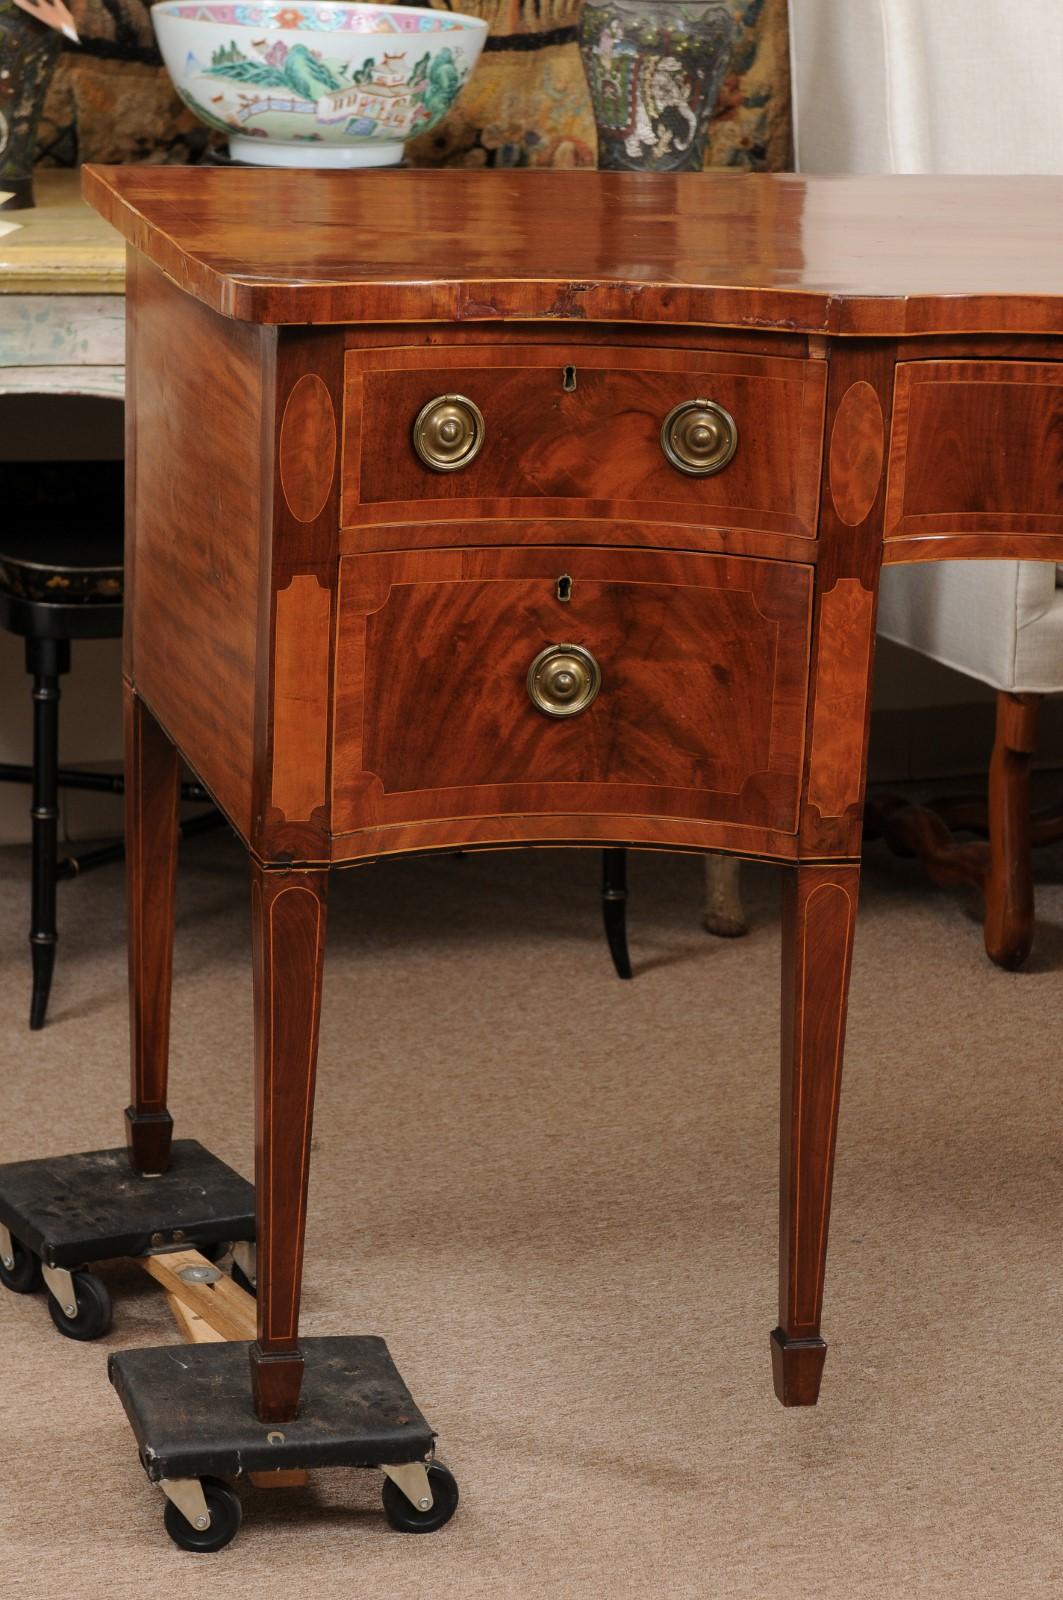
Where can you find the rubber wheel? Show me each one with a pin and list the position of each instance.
(223, 1503)
(93, 1309)
(406, 1518)
(24, 1275)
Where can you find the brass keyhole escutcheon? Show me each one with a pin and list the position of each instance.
(563, 680)
(448, 432)
(699, 437)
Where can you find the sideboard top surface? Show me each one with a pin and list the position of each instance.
(888, 256)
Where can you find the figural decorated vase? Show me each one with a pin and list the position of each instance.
(655, 69)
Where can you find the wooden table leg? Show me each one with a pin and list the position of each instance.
(288, 934)
(152, 795)
(1009, 901)
(819, 915)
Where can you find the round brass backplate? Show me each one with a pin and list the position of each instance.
(563, 680)
(448, 432)
(699, 437)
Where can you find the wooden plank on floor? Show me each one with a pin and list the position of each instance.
(194, 1328)
(228, 1309)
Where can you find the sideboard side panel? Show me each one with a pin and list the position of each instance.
(199, 520)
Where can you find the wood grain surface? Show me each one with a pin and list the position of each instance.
(301, 649)
(198, 455)
(1009, 893)
(700, 715)
(847, 575)
(152, 801)
(857, 447)
(512, 829)
(846, 631)
(843, 255)
(288, 943)
(594, 451)
(976, 450)
(306, 450)
(819, 919)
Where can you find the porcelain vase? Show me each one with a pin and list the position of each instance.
(655, 69)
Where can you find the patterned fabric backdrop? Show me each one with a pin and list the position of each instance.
(526, 104)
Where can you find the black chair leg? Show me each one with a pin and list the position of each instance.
(46, 660)
(614, 908)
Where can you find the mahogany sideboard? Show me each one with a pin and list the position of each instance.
(481, 509)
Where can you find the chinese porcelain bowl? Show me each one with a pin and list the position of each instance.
(333, 84)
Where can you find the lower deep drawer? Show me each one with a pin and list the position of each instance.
(700, 713)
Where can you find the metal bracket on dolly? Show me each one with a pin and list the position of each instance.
(412, 1478)
(61, 1287)
(60, 1282)
(187, 1495)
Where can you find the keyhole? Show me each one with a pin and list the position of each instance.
(568, 378)
(564, 588)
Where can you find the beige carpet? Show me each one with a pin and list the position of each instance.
(554, 1194)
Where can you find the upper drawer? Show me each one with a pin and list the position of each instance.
(977, 449)
(574, 431)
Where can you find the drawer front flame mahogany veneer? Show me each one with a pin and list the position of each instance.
(474, 509)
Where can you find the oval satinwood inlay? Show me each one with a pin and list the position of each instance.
(307, 447)
(857, 446)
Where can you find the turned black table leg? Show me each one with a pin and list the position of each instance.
(46, 660)
(151, 821)
(819, 915)
(288, 942)
(614, 908)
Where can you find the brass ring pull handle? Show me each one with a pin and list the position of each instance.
(448, 432)
(699, 437)
(563, 680)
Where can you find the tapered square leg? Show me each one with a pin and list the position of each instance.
(152, 794)
(288, 935)
(819, 915)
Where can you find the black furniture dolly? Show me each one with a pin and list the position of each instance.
(192, 1417)
(195, 1427)
(60, 1215)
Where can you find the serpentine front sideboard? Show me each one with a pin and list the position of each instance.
(480, 509)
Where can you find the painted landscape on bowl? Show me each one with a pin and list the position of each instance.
(326, 74)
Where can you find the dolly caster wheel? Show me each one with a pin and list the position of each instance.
(21, 1270)
(223, 1506)
(406, 1518)
(90, 1315)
